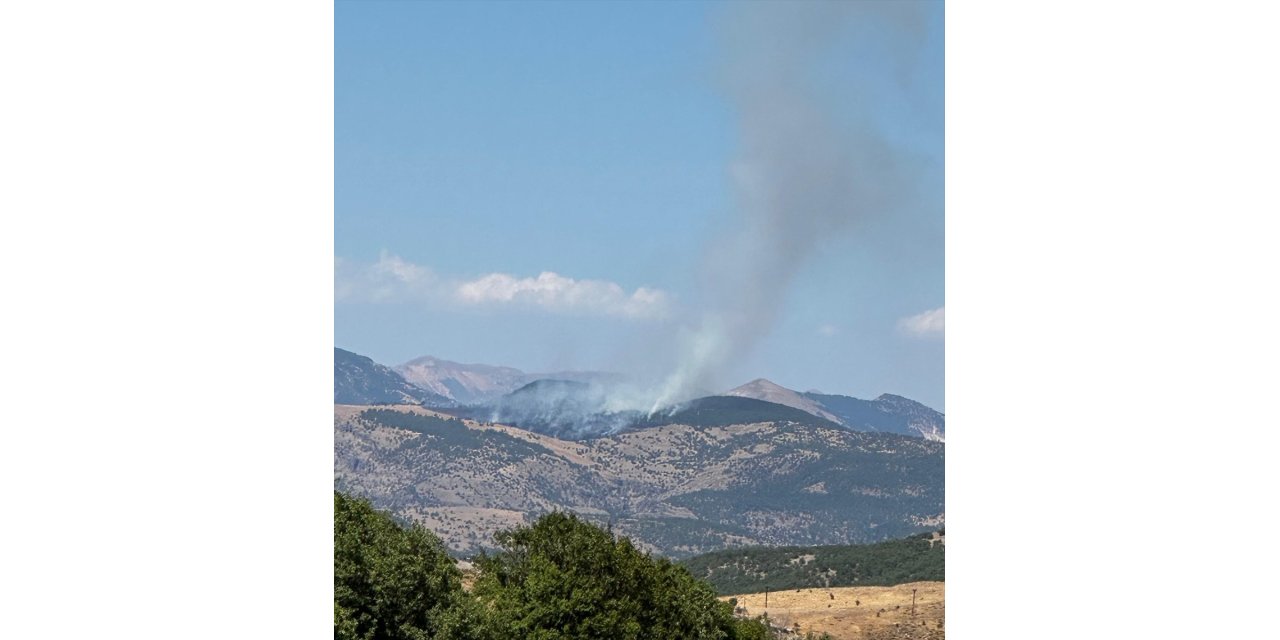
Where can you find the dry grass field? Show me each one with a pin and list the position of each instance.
(856, 613)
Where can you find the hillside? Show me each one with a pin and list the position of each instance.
(470, 384)
(677, 489)
(766, 390)
(887, 413)
(464, 383)
(359, 380)
(719, 411)
(756, 569)
(578, 411)
(566, 409)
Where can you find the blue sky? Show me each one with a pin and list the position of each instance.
(480, 145)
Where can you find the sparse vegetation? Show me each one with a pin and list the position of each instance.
(758, 569)
(449, 435)
(675, 489)
(884, 613)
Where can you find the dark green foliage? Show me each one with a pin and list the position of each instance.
(752, 570)
(751, 629)
(719, 411)
(564, 578)
(389, 582)
(561, 579)
(415, 422)
(449, 435)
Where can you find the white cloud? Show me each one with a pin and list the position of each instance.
(390, 279)
(928, 323)
(393, 279)
(406, 272)
(828, 330)
(554, 292)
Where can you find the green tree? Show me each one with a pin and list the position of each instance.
(566, 579)
(389, 582)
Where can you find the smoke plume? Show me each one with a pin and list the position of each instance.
(805, 171)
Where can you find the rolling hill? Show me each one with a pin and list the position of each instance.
(757, 569)
(678, 489)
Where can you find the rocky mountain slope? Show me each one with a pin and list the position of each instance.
(464, 383)
(480, 383)
(887, 413)
(359, 380)
(677, 489)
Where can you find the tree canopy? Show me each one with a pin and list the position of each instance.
(389, 582)
(562, 578)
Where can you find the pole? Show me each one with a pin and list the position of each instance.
(913, 603)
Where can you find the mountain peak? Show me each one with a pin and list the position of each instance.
(893, 400)
(760, 383)
(358, 379)
(769, 391)
(544, 385)
(464, 383)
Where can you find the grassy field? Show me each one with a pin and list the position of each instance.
(856, 613)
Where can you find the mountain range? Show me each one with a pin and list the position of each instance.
(481, 383)
(358, 379)
(576, 404)
(887, 413)
(758, 465)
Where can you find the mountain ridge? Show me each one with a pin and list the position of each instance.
(582, 404)
(888, 413)
(479, 383)
(769, 391)
(358, 379)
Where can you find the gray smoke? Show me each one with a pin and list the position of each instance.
(804, 173)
